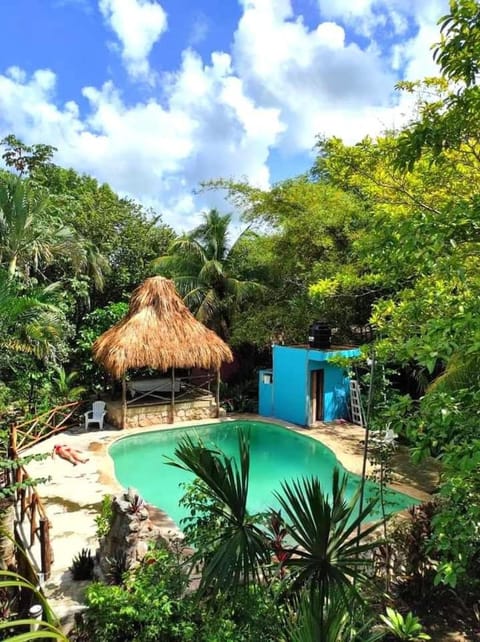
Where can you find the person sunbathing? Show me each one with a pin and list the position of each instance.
(70, 454)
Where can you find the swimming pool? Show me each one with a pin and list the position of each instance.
(276, 454)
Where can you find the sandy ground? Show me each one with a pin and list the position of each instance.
(73, 494)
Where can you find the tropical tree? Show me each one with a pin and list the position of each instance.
(306, 228)
(239, 550)
(26, 159)
(30, 237)
(126, 234)
(31, 322)
(328, 551)
(200, 263)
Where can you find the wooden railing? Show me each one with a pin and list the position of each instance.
(31, 512)
(32, 518)
(160, 390)
(33, 430)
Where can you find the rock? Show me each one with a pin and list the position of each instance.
(130, 532)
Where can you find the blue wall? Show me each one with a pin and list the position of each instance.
(289, 384)
(288, 396)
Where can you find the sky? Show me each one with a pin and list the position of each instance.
(156, 96)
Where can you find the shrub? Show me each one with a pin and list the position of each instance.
(103, 521)
(82, 565)
(153, 604)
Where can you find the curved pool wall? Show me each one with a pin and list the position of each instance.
(276, 455)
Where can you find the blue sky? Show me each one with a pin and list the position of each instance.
(154, 96)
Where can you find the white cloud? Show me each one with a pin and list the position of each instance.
(396, 18)
(320, 83)
(158, 153)
(281, 84)
(138, 25)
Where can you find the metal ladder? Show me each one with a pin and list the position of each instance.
(356, 403)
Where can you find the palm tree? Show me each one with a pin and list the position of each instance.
(30, 322)
(328, 552)
(200, 263)
(241, 549)
(31, 237)
(65, 386)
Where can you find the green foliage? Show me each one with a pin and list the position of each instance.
(204, 518)
(242, 396)
(17, 628)
(311, 230)
(411, 543)
(115, 568)
(316, 620)
(327, 549)
(95, 324)
(64, 388)
(403, 628)
(82, 565)
(458, 51)
(103, 520)
(153, 605)
(454, 539)
(239, 551)
(31, 236)
(117, 229)
(30, 322)
(146, 609)
(201, 263)
(25, 158)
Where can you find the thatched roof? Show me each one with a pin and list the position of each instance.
(159, 332)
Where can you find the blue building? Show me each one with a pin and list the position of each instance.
(303, 386)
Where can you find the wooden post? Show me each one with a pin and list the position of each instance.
(45, 550)
(33, 518)
(23, 503)
(217, 393)
(124, 402)
(12, 445)
(172, 400)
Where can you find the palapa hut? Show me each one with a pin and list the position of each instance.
(159, 332)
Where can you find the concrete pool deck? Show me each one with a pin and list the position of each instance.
(73, 494)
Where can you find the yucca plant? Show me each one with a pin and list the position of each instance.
(240, 553)
(327, 552)
(82, 565)
(316, 620)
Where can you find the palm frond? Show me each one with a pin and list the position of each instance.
(461, 371)
(328, 552)
(242, 550)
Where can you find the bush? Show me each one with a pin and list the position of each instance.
(153, 604)
(147, 608)
(103, 521)
(82, 565)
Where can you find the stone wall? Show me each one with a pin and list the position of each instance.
(144, 416)
(130, 533)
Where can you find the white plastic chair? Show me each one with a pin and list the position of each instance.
(388, 438)
(96, 415)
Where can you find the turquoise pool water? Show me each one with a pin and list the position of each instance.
(276, 454)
